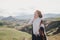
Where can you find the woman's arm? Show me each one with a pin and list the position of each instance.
(29, 23)
(26, 25)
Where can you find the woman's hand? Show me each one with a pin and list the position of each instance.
(26, 25)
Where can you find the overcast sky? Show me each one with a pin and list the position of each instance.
(16, 7)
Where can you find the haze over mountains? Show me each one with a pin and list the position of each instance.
(51, 15)
(10, 18)
(45, 16)
(28, 16)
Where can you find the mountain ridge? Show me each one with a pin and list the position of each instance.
(29, 16)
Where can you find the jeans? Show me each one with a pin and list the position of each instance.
(34, 37)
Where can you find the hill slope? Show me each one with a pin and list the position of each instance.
(12, 34)
(54, 37)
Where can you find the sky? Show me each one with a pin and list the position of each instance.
(21, 7)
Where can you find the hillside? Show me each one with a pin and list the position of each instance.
(24, 33)
(52, 30)
(12, 34)
(54, 37)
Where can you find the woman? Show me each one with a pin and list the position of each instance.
(36, 22)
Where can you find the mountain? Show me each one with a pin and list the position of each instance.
(24, 17)
(29, 16)
(1, 17)
(10, 18)
(50, 15)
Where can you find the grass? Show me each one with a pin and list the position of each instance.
(57, 19)
(54, 37)
(12, 34)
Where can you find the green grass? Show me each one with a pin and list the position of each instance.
(58, 19)
(12, 34)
